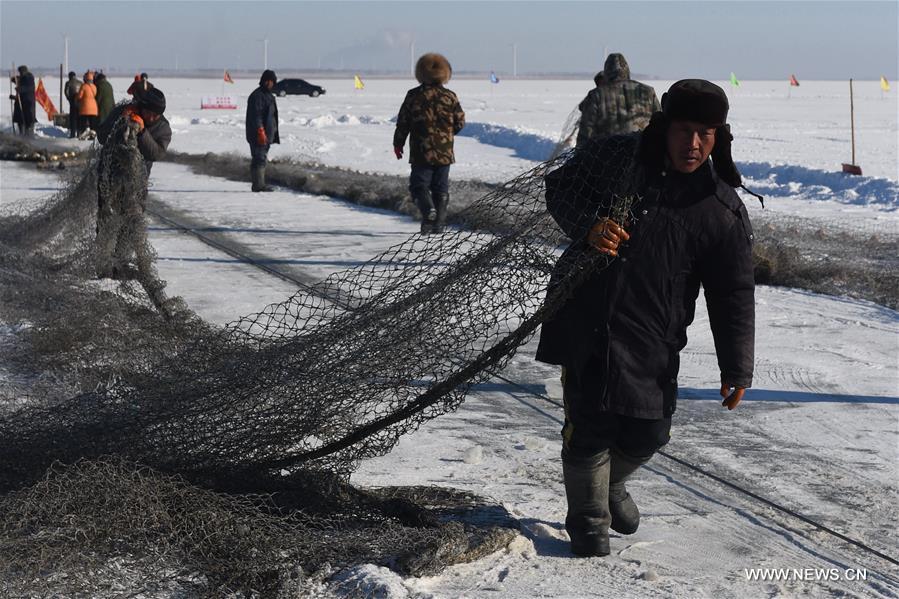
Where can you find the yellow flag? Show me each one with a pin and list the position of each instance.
(884, 84)
(357, 83)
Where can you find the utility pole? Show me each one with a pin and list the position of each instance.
(515, 61)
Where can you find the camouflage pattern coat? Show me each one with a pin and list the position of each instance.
(430, 116)
(617, 105)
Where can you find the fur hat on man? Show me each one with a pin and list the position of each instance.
(696, 100)
(692, 100)
(433, 68)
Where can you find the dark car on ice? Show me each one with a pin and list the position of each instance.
(297, 87)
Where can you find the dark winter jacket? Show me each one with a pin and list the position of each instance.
(152, 142)
(262, 111)
(105, 98)
(24, 108)
(432, 116)
(139, 86)
(628, 322)
(617, 104)
(73, 86)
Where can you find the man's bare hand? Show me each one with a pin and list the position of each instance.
(732, 395)
(606, 235)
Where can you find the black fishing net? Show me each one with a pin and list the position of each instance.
(166, 421)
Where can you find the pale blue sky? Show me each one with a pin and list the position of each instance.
(667, 39)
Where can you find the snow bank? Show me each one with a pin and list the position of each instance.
(527, 145)
(788, 180)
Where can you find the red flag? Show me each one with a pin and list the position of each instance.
(793, 81)
(40, 94)
(228, 77)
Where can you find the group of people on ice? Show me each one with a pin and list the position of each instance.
(618, 332)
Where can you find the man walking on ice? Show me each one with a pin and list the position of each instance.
(619, 333)
(430, 117)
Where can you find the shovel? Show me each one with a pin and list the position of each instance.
(852, 168)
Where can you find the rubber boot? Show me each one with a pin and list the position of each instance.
(441, 201)
(422, 199)
(258, 175)
(254, 177)
(625, 515)
(587, 491)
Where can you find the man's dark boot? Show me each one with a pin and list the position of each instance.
(587, 490)
(422, 199)
(625, 515)
(254, 177)
(441, 201)
(258, 176)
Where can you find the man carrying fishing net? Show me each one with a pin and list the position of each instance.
(619, 332)
(134, 136)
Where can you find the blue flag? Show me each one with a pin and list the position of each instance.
(493, 77)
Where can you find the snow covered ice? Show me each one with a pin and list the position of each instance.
(818, 433)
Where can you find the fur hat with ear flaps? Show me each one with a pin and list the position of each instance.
(692, 100)
(433, 68)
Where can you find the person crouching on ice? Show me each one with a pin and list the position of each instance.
(430, 116)
(619, 330)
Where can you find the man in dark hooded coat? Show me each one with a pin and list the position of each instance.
(262, 128)
(24, 108)
(617, 105)
(619, 330)
(105, 97)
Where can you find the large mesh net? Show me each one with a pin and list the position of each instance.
(271, 413)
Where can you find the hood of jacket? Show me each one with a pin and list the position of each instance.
(616, 68)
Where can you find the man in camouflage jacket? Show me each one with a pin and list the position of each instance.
(617, 105)
(430, 116)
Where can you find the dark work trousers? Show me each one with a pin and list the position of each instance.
(589, 431)
(74, 118)
(259, 155)
(425, 178)
(89, 122)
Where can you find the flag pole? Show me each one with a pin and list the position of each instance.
(12, 102)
